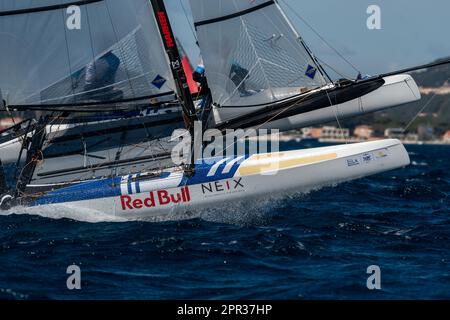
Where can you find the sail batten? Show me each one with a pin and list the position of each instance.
(58, 6)
(234, 15)
(94, 107)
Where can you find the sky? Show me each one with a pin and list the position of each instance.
(413, 32)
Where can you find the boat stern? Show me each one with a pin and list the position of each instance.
(397, 90)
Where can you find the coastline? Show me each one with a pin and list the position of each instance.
(298, 138)
(406, 142)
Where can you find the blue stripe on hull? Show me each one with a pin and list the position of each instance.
(202, 170)
(130, 189)
(138, 187)
(107, 188)
(84, 191)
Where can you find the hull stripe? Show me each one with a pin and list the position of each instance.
(231, 164)
(130, 190)
(138, 187)
(216, 166)
(261, 168)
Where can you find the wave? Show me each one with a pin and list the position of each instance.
(419, 164)
(64, 212)
(252, 211)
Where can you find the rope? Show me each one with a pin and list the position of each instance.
(320, 36)
(274, 117)
(335, 70)
(335, 108)
(190, 23)
(133, 147)
(422, 110)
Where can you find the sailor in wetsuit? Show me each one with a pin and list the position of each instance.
(239, 75)
(199, 76)
(101, 76)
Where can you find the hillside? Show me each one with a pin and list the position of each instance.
(435, 88)
(434, 77)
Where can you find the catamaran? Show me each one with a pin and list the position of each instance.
(259, 73)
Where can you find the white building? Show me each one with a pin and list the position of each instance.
(335, 133)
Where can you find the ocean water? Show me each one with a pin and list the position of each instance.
(308, 246)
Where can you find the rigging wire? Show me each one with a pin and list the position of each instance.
(51, 123)
(421, 110)
(84, 177)
(295, 103)
(35, 159)
(290, 107)
(319, 35)
(336, 115)
(69, 62)
(91, 168)
(271, 119)
(334, 69)
(190, 23)
(418, 113)
(121, 49)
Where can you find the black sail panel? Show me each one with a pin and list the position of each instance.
(14, 7)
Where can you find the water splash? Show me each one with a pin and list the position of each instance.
(253, 211)
(64, 212)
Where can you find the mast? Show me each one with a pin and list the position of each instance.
(179, 75)
(175, 63)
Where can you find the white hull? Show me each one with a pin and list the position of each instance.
(231, 180)
(397, 90)
(9, 151)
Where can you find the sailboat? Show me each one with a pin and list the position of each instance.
(259, 74)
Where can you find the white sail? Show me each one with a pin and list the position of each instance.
(252, 54)
(115, 54)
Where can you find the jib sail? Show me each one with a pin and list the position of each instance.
(252, 54)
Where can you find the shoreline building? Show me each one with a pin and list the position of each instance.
(446, 137)
(364, 132)
(335, 133)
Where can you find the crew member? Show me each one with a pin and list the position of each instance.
(239, 75)
(101, 76)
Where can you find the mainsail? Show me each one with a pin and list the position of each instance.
(113, 60)
(252, 54)
(115, 54)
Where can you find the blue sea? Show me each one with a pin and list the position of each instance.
(308, 246)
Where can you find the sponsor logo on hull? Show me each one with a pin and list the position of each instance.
(367, 158)
(380, 154)
(159, 198)
(353, 162)
(223, 187)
